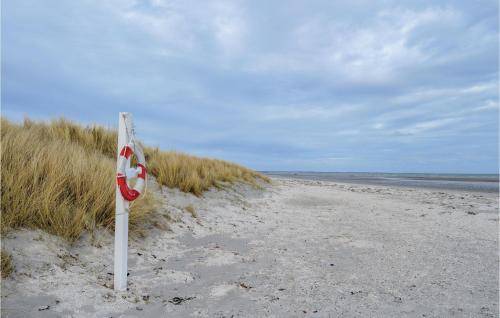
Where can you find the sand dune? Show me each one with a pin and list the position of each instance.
(295, 249)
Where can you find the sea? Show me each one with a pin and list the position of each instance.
(463, 182)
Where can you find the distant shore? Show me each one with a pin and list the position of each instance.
(463, 182)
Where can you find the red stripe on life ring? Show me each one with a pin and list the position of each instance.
(126, 152)
(142, 175)
(127, 193)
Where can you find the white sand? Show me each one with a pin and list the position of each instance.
(297, 249)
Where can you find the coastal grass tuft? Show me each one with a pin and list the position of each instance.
(59, 176)
(194, 174)
(172, 169)
(58, 185)
(190, 209)
(6, 267)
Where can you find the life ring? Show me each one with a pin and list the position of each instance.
(121, 176)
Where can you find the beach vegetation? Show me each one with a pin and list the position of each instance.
(6, 264)
(60, 177)
(190, 209)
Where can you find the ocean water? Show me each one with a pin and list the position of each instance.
(464, 182)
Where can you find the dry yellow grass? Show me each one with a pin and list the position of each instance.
(58, 185)
(7, 267)
(196, 175)
(172, 169)
(59, 177)
(190, 209)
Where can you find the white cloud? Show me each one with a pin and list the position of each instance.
(229, 27)
(426, 94)
(280, 113)
(420, 127)
(379, 51)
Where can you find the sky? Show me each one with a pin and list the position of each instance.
(317, 85)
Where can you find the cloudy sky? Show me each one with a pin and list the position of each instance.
(389, 86)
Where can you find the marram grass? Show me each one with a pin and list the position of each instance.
(7, 266)
(194, 174)
(58, 185)
(59, 177)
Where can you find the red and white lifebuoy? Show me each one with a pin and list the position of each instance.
(121, 175)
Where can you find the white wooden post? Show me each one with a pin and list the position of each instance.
(122, 209)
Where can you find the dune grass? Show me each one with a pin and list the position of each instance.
(59, 176)
(194, 174)
(58, 185)
(173, 169)
(6, 264)
(190, 209)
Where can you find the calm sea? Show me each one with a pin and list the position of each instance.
(467, 182)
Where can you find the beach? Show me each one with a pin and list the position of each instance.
(293, 248)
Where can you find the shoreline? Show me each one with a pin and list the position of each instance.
(428, 183)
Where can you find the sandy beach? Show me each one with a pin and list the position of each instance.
(295, 248)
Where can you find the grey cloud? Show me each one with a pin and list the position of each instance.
(269, 85)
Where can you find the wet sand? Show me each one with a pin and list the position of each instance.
(297, 248)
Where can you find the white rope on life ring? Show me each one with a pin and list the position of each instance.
(121, 173)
